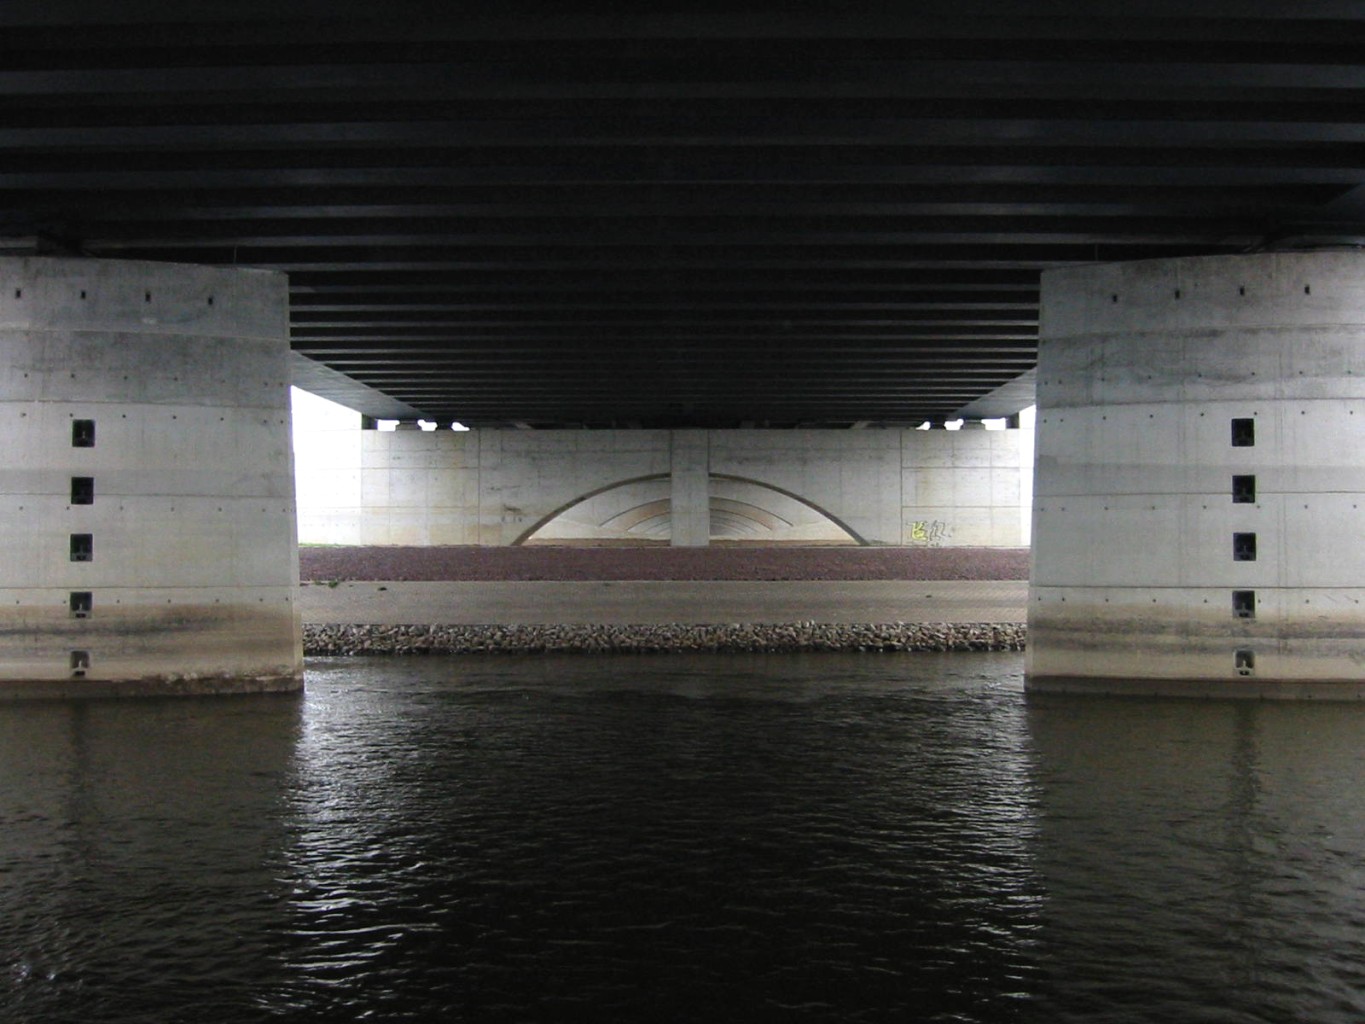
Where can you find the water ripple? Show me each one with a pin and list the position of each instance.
(723, 839)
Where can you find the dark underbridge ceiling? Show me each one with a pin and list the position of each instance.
(628, 215)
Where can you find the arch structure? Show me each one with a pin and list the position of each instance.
(1200, 491)
(639, 512)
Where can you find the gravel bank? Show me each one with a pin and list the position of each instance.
(478, 564)
(659, 639)
(320, 564)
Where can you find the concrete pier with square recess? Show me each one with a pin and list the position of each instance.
(1199, 494)
(146, 483)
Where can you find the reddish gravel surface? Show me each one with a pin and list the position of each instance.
(661, 563)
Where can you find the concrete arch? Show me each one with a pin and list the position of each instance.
(746, 514)
(556, 513)
(642, 514)
(825, 513)
(638, 510)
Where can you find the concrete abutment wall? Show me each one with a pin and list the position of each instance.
(146, 486)
(500, 487)
(1200, 486)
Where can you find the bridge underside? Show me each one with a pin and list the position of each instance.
(705, 219)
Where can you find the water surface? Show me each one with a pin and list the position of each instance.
(806, 838)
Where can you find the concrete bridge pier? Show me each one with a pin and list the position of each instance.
(147, 515)
(1199, 500)
(689, 482)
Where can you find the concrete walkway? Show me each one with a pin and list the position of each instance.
(654, 603)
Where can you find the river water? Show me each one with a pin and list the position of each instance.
(891, 837)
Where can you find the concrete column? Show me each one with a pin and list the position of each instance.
(1200, 484)
(691, 502)
(146, 483)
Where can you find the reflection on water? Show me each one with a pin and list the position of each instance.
(1214, 851)
(141, 850)
(661, 840)
(835, 838)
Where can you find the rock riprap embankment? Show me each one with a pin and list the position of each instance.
(325, 640)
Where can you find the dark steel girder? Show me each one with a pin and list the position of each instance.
(597, 216)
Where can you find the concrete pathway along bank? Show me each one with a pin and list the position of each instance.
(650, 602)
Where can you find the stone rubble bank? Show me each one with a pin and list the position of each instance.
(735, 638)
